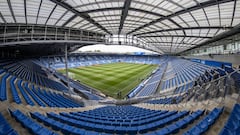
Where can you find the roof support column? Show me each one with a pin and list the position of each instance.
(66, 64)
(124, 14)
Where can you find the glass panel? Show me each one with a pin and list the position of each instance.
(45, 10)
(18, 10)
(213, 15)
(6, 11)
(58, 12)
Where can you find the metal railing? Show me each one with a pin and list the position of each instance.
(10, 34)
(218, 88)
(215, 90)
(131, 41)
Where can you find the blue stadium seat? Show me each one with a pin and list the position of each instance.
(103, 120)
(232, 127)
(5, 128)
(15, 96)
(25, 95)
(28, 70)
(35, 98)
(189, 119)
(205, 123)
(28, 123)
(3, 94)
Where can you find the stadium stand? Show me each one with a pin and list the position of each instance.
(185, 81)
(151, 85)
(175, 127)
(5, 128)
(24, 94)
(118, 120)
(181, 76)
(78, 86)
(232, 126)
(3, 87)
(41, 97)
(83, 60)
(206, 122)
(86, 60)
(31, 125)
(125, 119)
(14, 91)
(29, 71)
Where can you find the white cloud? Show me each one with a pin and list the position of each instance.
(113, 48)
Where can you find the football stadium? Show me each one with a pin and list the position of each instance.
(119, 67)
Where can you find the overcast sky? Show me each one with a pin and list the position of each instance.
(113, 48)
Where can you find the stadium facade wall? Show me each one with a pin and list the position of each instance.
(230, 58)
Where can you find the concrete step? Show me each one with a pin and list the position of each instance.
(52, 109)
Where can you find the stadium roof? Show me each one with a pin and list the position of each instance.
(171, 25)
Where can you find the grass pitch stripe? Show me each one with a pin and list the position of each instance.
(111, 72)
(113, 67)
(112, 78)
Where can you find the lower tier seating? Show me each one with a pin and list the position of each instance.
(3, 93)
(33, 127)
(175, 127)
(205, 123)
(118, 120)
(232, 126)
(5, 128)
(15, 96)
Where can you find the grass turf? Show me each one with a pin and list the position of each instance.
(110, 79)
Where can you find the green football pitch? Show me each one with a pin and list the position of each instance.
(115, 79)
